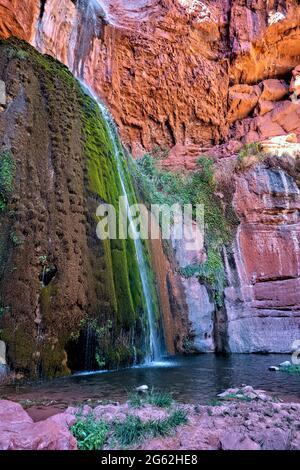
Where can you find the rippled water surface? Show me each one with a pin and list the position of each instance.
(191, 379)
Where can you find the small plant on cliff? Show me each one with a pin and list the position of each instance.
(16, 240)
(14, 53)
(199, 187)
(249, 155)
(7, 173)
(212, 272)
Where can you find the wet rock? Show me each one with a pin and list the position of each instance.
(201, 314)
(285, 364)
(142, 388)
(264, 273)
(274, 368)
(2, 93)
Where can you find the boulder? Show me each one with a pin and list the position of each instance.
(19, 432)
(274, 90)
(242, 100)
(232, 440)
(275, 439)
(264, 107)
(142, 388)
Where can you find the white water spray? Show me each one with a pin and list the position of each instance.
(155, 351)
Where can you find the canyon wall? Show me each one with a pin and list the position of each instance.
(67, 299)
(164, 68)
(263, 297)
(201, 77)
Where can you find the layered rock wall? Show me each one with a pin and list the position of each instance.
(263, 297)
(66, 298)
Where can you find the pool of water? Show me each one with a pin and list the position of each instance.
(196, 379)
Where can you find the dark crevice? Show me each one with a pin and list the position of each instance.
(170, 131)
(48, 275)
(42, 8)
(274, 279)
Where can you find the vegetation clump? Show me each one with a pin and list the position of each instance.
(197, 188)
(7, 173)
(133, 430)
(89, 433)
(292, 369)
(250, 155)
(93, 434)
(160, 399)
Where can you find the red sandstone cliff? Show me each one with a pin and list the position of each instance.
(165, 67)
(197, 77)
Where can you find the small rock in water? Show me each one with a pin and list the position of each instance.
(274, 368)
(285, 364)
(229, 391)
(142, 388)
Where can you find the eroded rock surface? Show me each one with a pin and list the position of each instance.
(263, 302)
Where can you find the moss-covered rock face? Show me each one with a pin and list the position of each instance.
(61, 288)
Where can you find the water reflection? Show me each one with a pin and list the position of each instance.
(190, 379)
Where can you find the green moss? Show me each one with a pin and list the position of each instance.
(121, 274)
(7, 174)
(119, 295)
(200, 187)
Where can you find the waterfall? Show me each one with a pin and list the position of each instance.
(155, 348)
(91, 13)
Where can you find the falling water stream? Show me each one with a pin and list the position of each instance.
(89, 14)
(155, 348)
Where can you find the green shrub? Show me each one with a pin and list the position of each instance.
(199, 187)
(156, 398)
(133, 430)
(211, 272)
(292, 369)
(15, 53)
(249, 155)
(7, 173)
(90, 434)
